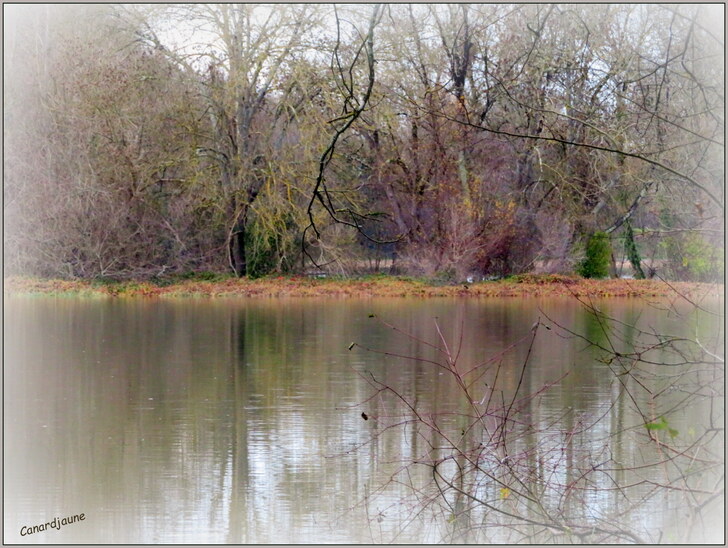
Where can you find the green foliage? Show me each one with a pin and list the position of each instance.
(210, 276)
(690, 257)
(261, 255)
(662, 424)
(269, 248)
(633, 254)
(598, 254)
(446, 275)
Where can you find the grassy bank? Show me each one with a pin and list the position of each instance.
(372, 286)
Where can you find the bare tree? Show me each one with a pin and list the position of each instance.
(603, 109)
(245, 64)
(354, 101)
(495, 470)
(109, 194)
(467, 139)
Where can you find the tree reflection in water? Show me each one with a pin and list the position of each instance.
(496, 465)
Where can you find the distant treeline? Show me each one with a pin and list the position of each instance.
(449, 141)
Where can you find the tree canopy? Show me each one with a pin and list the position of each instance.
(436, 140)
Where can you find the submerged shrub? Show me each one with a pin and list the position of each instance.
(598, 255)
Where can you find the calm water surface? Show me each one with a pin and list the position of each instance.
(238, 421)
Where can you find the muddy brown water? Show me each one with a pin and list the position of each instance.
(240, 420)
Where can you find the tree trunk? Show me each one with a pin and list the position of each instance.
(236, 246)
(237, 253)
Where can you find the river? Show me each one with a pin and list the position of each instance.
(342, 420)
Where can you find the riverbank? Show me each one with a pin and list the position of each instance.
(372, 286)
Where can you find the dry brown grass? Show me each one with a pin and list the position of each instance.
(375, 286)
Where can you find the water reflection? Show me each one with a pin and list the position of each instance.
(240, 421)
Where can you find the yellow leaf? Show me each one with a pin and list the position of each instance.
(505, 492)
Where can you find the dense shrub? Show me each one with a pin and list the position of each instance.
(598, 255)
